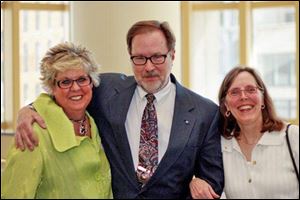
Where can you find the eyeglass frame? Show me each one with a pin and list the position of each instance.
(58, 82)
(150, 58)
(245, 90)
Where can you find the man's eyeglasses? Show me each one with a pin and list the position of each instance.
(248, 90)
(155, 59)
(68, 83)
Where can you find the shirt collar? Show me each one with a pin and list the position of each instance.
(59, 127)
(268, 139)
(158, 95)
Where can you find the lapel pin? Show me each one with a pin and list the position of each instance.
(186, 122)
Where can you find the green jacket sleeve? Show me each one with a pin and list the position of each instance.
(22, 174)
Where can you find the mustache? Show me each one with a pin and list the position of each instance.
(150, 74)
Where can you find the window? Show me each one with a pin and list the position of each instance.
(37, 21)
(215, 49)
(278, 69)
(25, 22)
(285, 108)
(25, 57)
(37, 89)
(259, 34)
(37, 56)
(274, 51)
(37, 26)
(38, 41)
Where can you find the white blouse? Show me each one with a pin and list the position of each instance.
(269, 174)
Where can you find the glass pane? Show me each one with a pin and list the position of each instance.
(39, 31)
(285, 108)
(274, 47)
(214, 49)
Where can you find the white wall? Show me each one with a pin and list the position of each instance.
(102, 28)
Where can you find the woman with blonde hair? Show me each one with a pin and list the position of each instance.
(69, 161)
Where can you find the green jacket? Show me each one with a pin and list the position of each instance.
(62, 166)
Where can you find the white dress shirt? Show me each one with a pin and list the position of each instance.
(269, 174)
(164, 104)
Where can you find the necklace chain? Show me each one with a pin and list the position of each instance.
(82, 125)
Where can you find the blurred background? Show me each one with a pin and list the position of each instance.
(212, 37)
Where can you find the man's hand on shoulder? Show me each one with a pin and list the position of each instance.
(24, 132)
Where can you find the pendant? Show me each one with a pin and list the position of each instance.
(82, 126)
(82, 129)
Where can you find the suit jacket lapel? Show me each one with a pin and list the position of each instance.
(182, 124)
(118, 106)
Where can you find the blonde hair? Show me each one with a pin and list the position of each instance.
(65, 56)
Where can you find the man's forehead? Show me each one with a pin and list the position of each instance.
(149, 44)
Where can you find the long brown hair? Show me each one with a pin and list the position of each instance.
(228, 124)
(148, 26)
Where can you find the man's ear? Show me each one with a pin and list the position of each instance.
(173, 54)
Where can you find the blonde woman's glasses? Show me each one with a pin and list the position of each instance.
(68, 83)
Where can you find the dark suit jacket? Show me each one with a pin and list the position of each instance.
(194, 145)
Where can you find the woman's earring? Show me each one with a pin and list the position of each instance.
(263, 107)
(227, 113)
